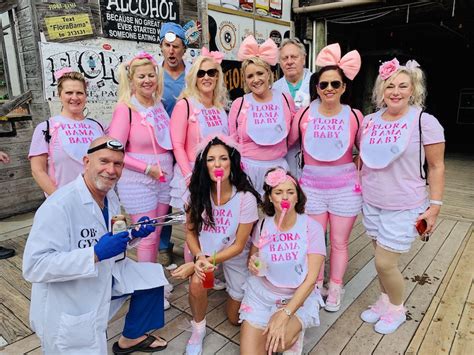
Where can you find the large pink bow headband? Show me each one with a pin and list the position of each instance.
(331, 55)
(143, 55)
(387, 69)
(230, 142)
(268, 51)
(216, 55)
(59, 73)
(277, 177)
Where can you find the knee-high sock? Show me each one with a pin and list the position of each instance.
(323, 220)
(340, 230)
(386, 263)
(147, 249)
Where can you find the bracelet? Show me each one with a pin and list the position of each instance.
(147, 169)
(436, 202)
(287, 311)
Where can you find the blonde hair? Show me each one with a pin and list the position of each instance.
(219, 98)
(261, 63)
(125, 76)
(418, 84)
(75, 76)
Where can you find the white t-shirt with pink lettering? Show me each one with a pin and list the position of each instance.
(397, 186)
(69, 142)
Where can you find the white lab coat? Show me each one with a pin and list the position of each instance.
(71, 295)
(301, 99)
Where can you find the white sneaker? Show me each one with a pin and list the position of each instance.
(391, 320)
(194, 345)
(376, 310)
(323, 291)
(167, 304)
(219, 285)
(169, 288)
(335, 294)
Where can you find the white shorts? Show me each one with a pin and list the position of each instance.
(292, 159)
(393, 230)
(259, 304)
(331, 189)
(178, 188)
(256, 170)
(140, 193)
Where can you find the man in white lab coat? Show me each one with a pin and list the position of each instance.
(78, 269)
(295, 81)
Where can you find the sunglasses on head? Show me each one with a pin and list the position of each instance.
(111, 144)
(210, 73)
(336, 84)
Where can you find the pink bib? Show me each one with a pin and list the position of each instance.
(327, 138)
(383, 141)
(212, 120)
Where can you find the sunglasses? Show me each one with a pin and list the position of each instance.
(336, 84)
(210, 73)
(112, 145)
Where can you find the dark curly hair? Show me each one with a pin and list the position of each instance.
(267, 206)
(200, 186)
(314, 81)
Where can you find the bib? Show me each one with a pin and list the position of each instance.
(226, 218)
(327, 139)
(266, 124)
(212, 121)
(383, 142)
(285, 253)
(74, 136)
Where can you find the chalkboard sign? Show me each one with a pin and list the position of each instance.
(137, 20)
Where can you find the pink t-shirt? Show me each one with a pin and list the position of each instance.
(301, 120)
(249, 148)
(135, 136)
(399, 185)
(248, 208)
(316, 237)
(66, 169)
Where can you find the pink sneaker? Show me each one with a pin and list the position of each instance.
(375, 311)
(391, 320)
(194, 345)
(335, 294)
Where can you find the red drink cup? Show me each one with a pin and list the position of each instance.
(209, 279)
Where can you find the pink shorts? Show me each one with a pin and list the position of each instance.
(331, 189)
(260, 302)
(140, 193)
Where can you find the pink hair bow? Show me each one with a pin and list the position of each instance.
(268, 51)
(277, 177)
(331, 55)
(59, 73)
(143, 55)
(216, 55)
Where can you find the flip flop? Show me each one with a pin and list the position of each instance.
(143, 346)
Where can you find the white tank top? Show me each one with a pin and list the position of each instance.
(157, 118)
(226, 219)
(212, 120)
(74, 136)
(384, 141)
(285, 252)
(266, 124)
(327, 138)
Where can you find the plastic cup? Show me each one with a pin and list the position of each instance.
(261, 265)
(209, 279)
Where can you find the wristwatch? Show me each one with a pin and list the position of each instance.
(287, 311)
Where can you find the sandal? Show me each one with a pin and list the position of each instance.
(143, 346)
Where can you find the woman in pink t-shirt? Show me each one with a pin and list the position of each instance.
(60, 143)
(280, 299)
(394, 143)
(261, 119)
(221, 212)
(327, 129)
(198, 113)
(141, 123)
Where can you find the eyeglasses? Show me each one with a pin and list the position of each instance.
(336, 84)
(210, 73)
(112, 145)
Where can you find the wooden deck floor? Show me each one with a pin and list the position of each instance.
(439, 279)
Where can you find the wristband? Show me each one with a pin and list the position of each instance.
(287, 311)
(147, 169)
(197, 256)
(436, 202)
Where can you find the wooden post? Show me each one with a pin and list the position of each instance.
(319, 39)
(203, 19)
